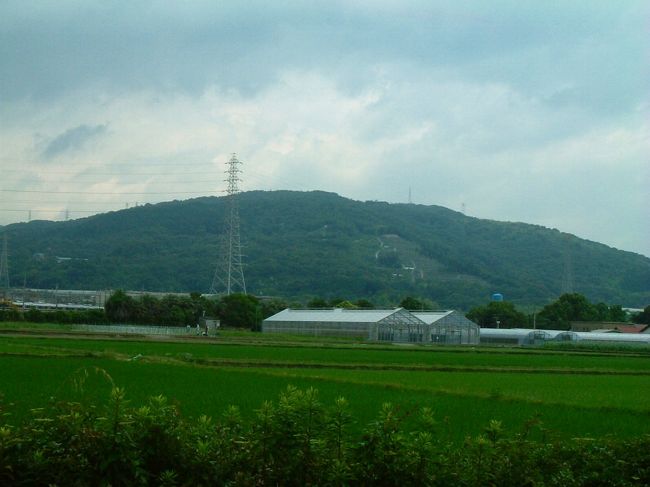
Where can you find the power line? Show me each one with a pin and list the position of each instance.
(71, 202)
(81, 174)
(43, 210)
(121, 163)
(105, 193)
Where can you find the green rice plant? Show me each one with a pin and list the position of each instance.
(575, 393)
(344, 356)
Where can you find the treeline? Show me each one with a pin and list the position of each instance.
(296, 441)
(557, 315)
(235, 310)
(247, 311)
(66, 317)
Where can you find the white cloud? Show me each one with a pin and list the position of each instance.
(523, 113)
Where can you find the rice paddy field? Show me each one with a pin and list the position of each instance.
(572, 393)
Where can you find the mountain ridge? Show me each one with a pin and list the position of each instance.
(304, 244)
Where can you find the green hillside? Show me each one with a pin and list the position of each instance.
(303, 244)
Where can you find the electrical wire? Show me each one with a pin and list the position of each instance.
(107, 193)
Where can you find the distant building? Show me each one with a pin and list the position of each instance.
(390, 325)
(528, 337)
(596, 325)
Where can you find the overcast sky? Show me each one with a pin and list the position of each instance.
(518, 111)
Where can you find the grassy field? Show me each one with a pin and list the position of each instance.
(575, 394)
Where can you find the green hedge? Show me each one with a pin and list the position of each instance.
(295, 440)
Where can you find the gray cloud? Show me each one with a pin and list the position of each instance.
(72, 139)
(500, 105)
(539, 48)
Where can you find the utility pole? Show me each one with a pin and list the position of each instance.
(229, 273)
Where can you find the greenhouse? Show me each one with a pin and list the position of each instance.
(392, 325)
(528, 337)
(516, 336)
(373, 324)
(449, 327)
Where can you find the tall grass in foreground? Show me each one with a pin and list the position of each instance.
(295, 440)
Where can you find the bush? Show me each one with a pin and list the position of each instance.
(296, 440)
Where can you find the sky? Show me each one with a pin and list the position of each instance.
(535, 112)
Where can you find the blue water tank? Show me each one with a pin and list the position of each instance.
(497, 297)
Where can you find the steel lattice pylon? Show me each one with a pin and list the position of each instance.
(229, 273)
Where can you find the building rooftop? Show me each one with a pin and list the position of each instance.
(430, 317)
(334, 314)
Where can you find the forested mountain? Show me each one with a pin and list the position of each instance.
(304, 244)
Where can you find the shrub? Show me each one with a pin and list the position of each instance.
(296, 440)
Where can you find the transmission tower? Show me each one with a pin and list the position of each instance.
(229, 273)
(4, 268)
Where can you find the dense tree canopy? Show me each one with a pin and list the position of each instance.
(235, 310)
(120, 307)
(576, 307)
(240, 311)
(643, 317)
(414, 304)
(502, 314)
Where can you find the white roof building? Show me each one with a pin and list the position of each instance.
(394, 325)
(449, 327)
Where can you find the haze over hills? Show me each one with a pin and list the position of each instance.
(304, 244)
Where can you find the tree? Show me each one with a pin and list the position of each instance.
(120, 307)
(240, 311)
(172, 309)
(576, 307)
(414, 304)
(269, 307)
(643, 317)
(364, 303)
(317, 303)
(497, 313)
(617, 313)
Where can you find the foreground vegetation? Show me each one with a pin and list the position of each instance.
(296, 440)
(413, 415)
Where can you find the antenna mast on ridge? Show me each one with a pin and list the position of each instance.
(229, 273)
